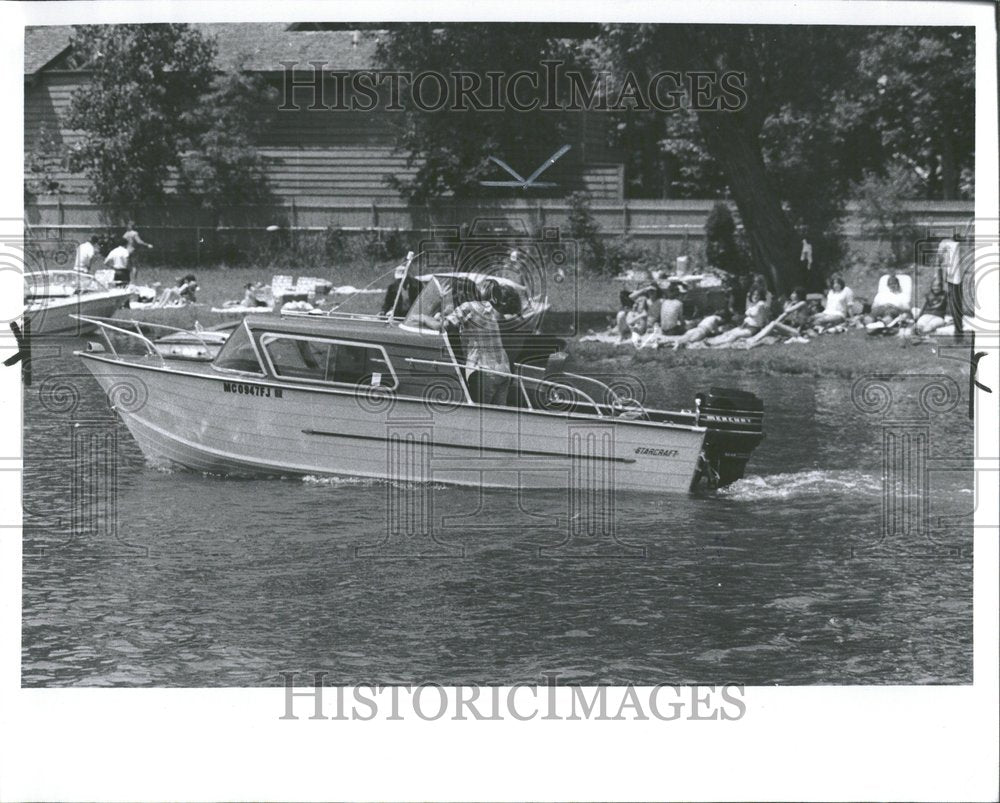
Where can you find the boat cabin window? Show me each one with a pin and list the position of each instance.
(328, 361)
(238, 353)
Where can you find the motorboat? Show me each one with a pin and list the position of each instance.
(366, 396)
(57, 302)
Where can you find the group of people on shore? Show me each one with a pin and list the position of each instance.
(122, 261)
(653, 315)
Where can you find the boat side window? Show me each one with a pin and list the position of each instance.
(328, 361)
(238, 354)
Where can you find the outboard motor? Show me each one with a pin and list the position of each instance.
(735, 423)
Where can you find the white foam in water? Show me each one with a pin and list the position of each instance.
(337, 481)
(802, 483)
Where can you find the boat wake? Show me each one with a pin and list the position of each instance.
(338, 481)
(344, 481)
(803, 483)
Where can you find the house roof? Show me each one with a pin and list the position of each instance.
(252, 46)
(42, 44)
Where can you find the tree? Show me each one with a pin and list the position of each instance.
(916, 89)
(42, 166)
(154, 109)
(884, 215)
(721, 247)
(222, 167)
(779, 158)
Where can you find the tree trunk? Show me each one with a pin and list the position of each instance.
(949, 173)
(732, 138)
(773, 241)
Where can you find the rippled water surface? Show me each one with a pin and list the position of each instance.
(789, 576)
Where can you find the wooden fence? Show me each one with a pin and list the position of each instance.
(673, 225)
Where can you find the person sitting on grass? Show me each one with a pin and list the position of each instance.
(758, 284)
(182, 293)
(755, 318)
(935, 307)
(798, 316)
(890, 301)
(251, 297)
(704, 329)
(670, 320)
(838, 304)
(624, 305)
(634, 320)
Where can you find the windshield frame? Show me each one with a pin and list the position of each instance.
(244, 327)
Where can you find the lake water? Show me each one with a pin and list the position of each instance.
(800, 574)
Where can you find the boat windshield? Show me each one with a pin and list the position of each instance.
(238, 354)
(435, 302)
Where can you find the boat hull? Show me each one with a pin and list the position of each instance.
(51, 316)
(218, 423)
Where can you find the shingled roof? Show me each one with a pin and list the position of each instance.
(42, 44)
(253, 46)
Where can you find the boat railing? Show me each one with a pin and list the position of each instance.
(611, 397)
(112, 324)
(332, 314)
(548, 385)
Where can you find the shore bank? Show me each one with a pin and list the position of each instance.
(848, 355)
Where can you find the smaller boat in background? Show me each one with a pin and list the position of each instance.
(198, 344)
(53, 299)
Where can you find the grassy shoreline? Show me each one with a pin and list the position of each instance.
(848, 355)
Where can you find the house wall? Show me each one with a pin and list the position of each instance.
(321, 156)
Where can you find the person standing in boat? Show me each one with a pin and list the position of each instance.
(478, 322)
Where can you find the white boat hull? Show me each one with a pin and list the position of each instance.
(218, 423)
(51, 316)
